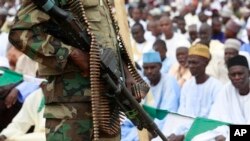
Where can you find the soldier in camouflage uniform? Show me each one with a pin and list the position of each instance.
(68, 106)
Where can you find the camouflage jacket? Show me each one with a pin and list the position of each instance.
(65, 83)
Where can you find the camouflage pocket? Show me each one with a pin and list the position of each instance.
(69, 130)
(75, 84)
(70, 87)
(53, 134)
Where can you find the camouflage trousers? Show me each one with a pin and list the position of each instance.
(71, 122)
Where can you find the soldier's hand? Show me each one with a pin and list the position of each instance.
(2, 138)
(220, 138)
(174, 137)
(11, 98)
(81, 59)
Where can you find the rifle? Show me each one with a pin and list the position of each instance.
(73, 30)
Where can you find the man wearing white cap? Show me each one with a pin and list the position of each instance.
(232, 28)
(192, 33)
(180, 69)
(226, 14)
(219, 71)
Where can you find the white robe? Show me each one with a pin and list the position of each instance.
(30, 114)
(196, 100)
(231, 107)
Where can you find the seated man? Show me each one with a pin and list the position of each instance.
(14, 88)
(30, 114)
(180, 69)
(198, 93)
(164, 93)
(161, 47)
(235, 95)
(164, 89)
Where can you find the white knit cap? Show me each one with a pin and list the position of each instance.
(232, 43)
(226, 12)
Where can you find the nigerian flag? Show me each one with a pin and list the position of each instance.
(8, 80)
(155, 113)
(8, 77)
(195, 129)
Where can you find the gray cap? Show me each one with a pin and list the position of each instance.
(3, 11)
(192, 27)
(232, 43)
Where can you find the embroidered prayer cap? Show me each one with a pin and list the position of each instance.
(151, 57)
(192, 27)
(237, 60)
(234, 25)
(232, 43)
(199, 50)
(4, 62)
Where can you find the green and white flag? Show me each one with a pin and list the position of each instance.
(155, 113)
(8, 77)
(204, 126)
(199, 128)
(8, 80)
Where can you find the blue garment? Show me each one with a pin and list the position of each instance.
(128, 131)
(245, 47)
(166, 65)
(219, 36)
(25, 89)
(166, 94)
